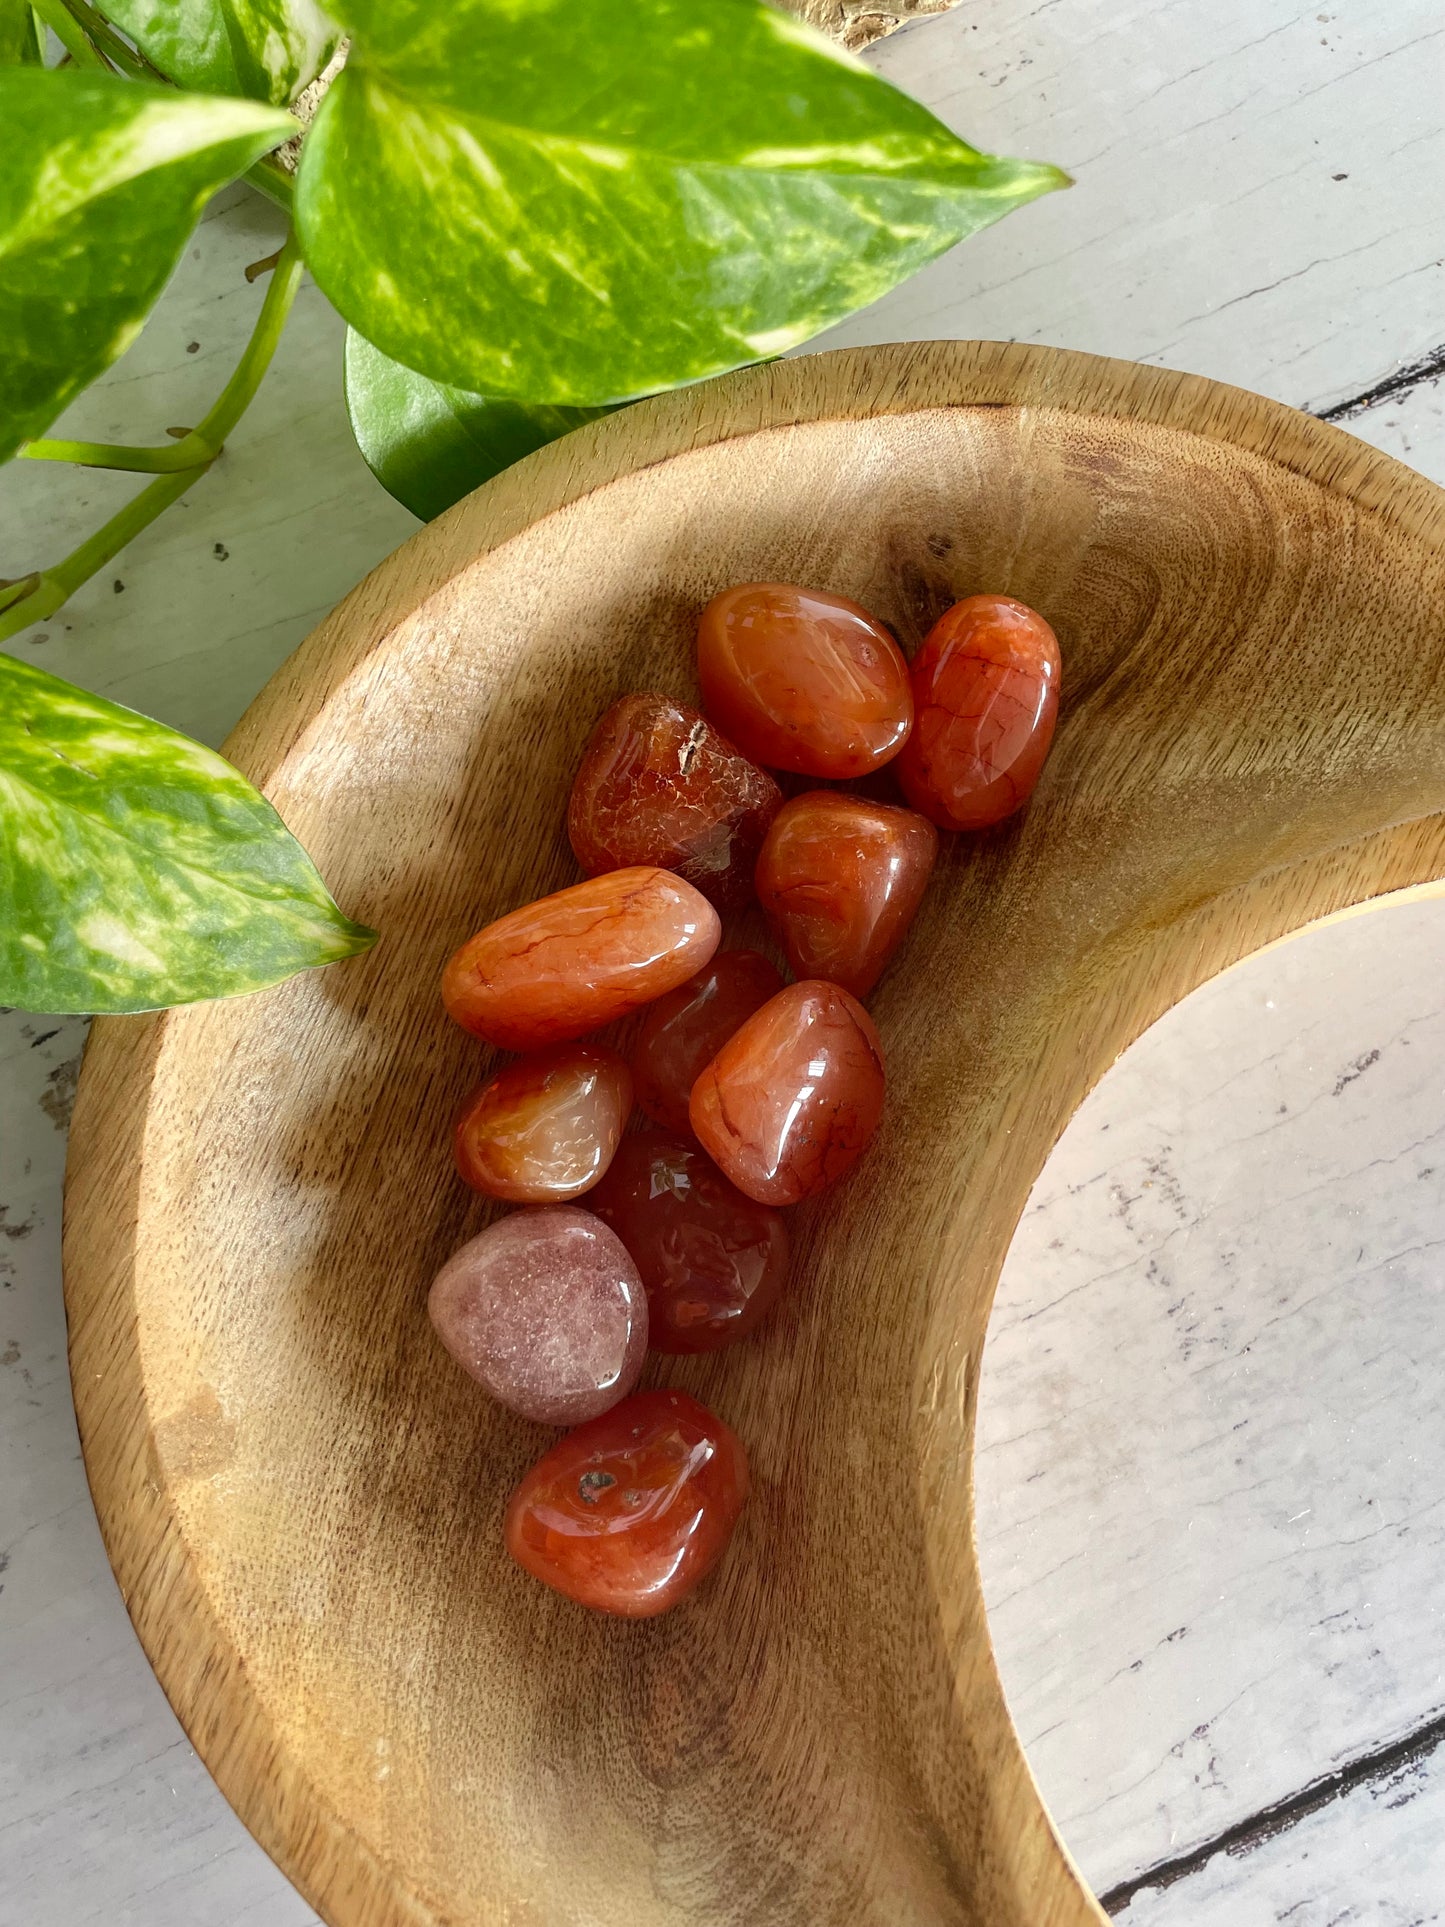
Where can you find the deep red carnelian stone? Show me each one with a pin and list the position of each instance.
(986, 695)
(658, 784)
(803, 680)
(840, 879)
(792, 1099)
(712, 1261)
(685, 1030)
(629, 1512)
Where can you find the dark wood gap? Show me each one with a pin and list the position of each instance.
(1245, 1835)
(1410, 376)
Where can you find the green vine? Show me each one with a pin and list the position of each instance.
(176, 467)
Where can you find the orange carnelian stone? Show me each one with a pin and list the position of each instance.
(686, 1029)
(802, 680)
(545, 1128)
(840, 879)
(986, 690)
(659, 785)
(629, 1512)
(576, 960)
(711, 1261)
(793, 1097)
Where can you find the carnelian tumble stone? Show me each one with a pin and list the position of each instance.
(712, 1261)
(791, 1100)
(986, 695)
(686, 1029)
(629, 1512)
(802, 680)
(840, 879)
(658, 784)
(580, 958)
(545, 1128)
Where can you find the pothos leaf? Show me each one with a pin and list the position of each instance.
(102, 183)
(138, 868)
(428, 444)
(262, 49)
(22, 38)
(577, 202)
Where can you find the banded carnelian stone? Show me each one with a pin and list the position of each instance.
(545, 1128)
(802, 680)
(792, 1099)
(712, 1261)
(986, 695)
(546, 1310)
(686, 1029)
(658, 784)
(840, 879)
(629, 1513)
(571, 962)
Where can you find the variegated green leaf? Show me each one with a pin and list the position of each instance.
(579, 201)
(137, 868)
(102, 183)
(262, 49)
(430, 444)
(22, 38)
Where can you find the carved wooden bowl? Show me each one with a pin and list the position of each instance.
(302, 1498)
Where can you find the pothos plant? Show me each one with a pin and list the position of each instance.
(527, 211)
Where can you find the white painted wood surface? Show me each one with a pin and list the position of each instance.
(1208, 231)
(1211, 1468)
(1370, 1860)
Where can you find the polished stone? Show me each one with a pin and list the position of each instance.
(712, 1261)
(803, 680)
(580, 958)
(629, 1513)
(793, 1098)
(683, 1031)
(840, 879)
(545, 1128)
(659, 785)
(986, 695)
(546, 1310)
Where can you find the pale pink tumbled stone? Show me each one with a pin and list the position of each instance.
(547, 1311)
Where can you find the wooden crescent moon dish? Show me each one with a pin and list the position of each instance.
(300, 1494)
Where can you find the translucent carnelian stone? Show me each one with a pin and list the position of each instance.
(545, 1128)
(712, 1261)
(802, 680)
(571, 962)
(684, 1030)
(792, 1099)
(628, 1513)
(658, 784)
(986, 695)
(546, 1310)
(840, 879)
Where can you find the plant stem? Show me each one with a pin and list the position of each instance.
(57, 584)
(149, 461)
(69, 33)
(236, 397)
(101, 34)
(270, 178)
(196, 453)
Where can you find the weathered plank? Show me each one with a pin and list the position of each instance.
(1210, 1430)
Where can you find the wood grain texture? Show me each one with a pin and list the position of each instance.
(302, 1505)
